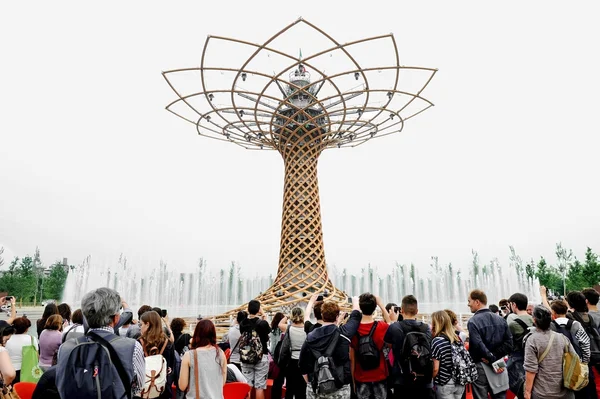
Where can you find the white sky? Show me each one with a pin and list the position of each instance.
(91, 163)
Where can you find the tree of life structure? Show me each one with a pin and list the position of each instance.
(288, 111)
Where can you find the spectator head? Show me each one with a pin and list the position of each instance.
(494, 309)
(591, 296)
(541, 317)
(518, 302)
(276, 319)
(409, 306)
(330, 311)
(504, 306)
(143, 309)
(576, 301)
(157, 310)
(204, 335)
(77, 317)
(54, 322)
(297, 315)
(152, 330)
(559, 308)
(317, 310)
(21, 325)
(441, 324)
(530, 307)
(253, 307)
(367, 303)
(477, 300)
(241, 316)
(101, 307)
(6, 331)
(65, 311)
(453, 317)
(49, 310)
(177, 326)
(389, 306)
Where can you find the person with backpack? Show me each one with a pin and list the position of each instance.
(571, 329)
(295, 386)
(519, 328)
(253, 348)
(160, 357)
(100, 360)
(76, 329)
(369, 367)
(544, 353)
(453, 367)
(489, 341)
(325, 356)
(182, 340)
(313, 306)
(577, 302)
(203, 367)
(410, 340)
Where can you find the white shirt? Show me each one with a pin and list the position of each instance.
(15, 348)
(239, 377)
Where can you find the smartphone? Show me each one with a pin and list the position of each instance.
(397, 309)
(163, 312)
(350, 300)
(319, 298)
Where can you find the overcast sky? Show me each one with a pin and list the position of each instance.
(92, 164)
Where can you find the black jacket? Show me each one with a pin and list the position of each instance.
(320, 338)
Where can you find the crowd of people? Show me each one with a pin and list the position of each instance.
(315, 351)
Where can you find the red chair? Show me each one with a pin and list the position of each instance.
(236, 390)
(24, 389)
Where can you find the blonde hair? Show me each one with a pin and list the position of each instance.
(442, 324)
(297, 315)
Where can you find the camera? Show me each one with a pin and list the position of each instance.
(397, 309)
(350, 300)
(9, 298)
(323, 295)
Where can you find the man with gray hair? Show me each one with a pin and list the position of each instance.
(101, 359)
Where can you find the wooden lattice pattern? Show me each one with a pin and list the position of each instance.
(299, 117)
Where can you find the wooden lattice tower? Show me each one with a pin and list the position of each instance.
(299, 117)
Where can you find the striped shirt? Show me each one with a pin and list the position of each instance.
(583, 340)
(441, 350)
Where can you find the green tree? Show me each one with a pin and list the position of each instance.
(54, 284)
(591, 269)
(575, 276)
(548, 275)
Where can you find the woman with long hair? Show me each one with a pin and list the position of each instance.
(293, 341)
(154, 341)
(50, 340)
(49, 310)
(181, 339)
(444, 336)
(275, 334)
(64, 310)
(6, 367)
(203, 367)
(19, 340)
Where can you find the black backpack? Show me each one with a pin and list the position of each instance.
(415, 356)
(518, 340)
(88, 373)
(368, 353)
(594, 334)
(566, 330)
(326, 378)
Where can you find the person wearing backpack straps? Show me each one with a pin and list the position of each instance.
(489, 341)
(160, 357)
(578, 304)
(369, 367)
(453, 367)
(326, 352)
(519, 328)
(410, 341)
(544, 351)
(203, 367)
(253, 348)
(120, 361)
(295, 386)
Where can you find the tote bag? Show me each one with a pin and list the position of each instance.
(30, 370)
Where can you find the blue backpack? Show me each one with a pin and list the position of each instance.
(92, 369)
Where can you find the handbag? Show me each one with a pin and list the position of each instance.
(30, 369)
(7, 391)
